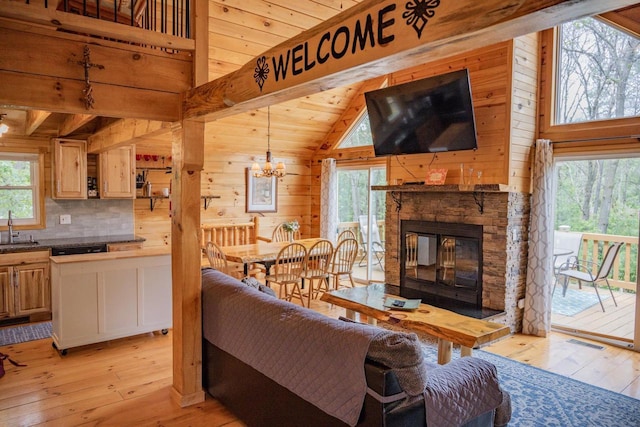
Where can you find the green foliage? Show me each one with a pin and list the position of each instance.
(580, 193)
(15, 189)
(353, 193)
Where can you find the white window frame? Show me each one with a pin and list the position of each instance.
(37, 189)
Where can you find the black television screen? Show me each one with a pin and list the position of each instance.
(424, 116)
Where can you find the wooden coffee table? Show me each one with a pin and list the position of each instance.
(448, 327)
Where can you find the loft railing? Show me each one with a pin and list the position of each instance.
(172, 17)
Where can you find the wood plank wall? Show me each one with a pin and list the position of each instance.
(224, 175)
(504, 80)
(524, 109)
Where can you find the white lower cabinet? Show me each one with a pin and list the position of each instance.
(95, 299)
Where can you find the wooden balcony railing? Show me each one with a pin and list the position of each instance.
(165, 24)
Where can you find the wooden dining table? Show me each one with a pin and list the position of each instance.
(261, 252)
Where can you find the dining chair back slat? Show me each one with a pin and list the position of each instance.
(287, 271)
(316, 270)
(217, 259)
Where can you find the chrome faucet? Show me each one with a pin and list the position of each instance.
(10, 225)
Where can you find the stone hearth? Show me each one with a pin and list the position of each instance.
(505, 221)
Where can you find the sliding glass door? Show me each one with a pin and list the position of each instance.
(597, 206)
(359, 206)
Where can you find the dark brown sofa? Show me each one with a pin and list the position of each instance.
(254, 396)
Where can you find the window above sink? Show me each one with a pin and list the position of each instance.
(22, 189)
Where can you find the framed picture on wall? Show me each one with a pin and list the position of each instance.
(262, 193)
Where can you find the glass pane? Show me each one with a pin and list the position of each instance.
(20, 202)
(353, 214)
(597, 204)
(359, 136)
(598, 73)
(15, 173)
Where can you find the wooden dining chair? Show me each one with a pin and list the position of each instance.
(280, 234)
(344, 257)
(346, 234)
(287, 271)
(217, 259)
(316, 269)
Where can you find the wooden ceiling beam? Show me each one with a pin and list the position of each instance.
(374, 39)
(125, 132)
(74, 122)
(620, 20)
(34, 120)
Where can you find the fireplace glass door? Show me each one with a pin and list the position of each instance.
(452, 261)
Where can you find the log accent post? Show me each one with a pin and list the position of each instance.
(187, 147)
(187, 153)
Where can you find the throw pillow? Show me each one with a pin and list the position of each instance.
(402, 353)
(254, 283)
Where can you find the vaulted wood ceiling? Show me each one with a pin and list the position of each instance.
(239, 30)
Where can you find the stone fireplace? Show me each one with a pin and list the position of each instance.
(494, 221)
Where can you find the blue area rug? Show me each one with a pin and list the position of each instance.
(543, 399)
(24, 333)
(575, 301)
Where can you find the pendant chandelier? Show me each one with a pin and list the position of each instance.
(268, 171)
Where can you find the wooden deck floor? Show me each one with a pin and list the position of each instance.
(614, 321)
(127, 382)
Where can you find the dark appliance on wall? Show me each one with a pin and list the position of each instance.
(424, 116)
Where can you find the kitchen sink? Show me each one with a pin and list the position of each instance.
(18, 245)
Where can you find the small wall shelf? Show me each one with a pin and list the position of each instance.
(207, 200)
(154, 199)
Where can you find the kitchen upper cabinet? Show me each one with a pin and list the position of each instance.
(25, 289)
(69, 169)
(116, 173)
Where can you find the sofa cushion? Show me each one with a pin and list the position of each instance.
(403, 354)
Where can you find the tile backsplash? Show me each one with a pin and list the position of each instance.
(93, 217)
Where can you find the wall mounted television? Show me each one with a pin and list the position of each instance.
(430, 115)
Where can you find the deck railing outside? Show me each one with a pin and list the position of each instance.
(624, 268)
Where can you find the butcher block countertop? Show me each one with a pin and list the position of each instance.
(137, 253)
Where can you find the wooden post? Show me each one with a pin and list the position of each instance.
(187, 152)
(188, 161)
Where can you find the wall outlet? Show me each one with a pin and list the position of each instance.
(65, 219)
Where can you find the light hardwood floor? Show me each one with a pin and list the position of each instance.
(127, 382)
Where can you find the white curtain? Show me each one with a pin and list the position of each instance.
(537, 303)
(329, 200)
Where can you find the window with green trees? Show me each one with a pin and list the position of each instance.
(20, 187)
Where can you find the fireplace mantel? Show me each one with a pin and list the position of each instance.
(448, 188)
